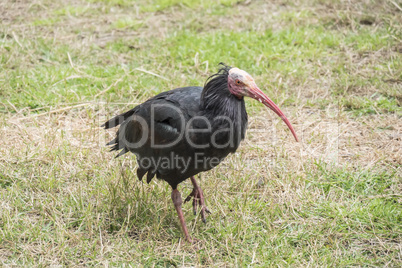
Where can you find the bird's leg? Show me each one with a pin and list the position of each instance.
(198, 196)
(177, 201)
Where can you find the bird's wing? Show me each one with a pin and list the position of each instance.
(188, 98)
(159, 121)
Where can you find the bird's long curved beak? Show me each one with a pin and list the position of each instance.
(257, 94)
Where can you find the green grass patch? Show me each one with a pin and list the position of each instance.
(159, 5)
(72, 11)
(377, 104)
(127, 23)
(45, 22)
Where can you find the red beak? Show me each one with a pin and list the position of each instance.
(257, 94)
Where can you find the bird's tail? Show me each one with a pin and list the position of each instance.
(117, 120)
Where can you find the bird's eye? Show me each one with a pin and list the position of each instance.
(238, 82)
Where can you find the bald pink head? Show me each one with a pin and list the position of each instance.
(241, 84)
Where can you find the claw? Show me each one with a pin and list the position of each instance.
(198, 200)
(194, 206)
(188, 198)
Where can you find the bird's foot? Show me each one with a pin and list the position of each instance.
(198, 199)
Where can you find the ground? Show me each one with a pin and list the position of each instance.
(333, 199)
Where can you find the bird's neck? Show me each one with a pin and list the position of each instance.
(224, 110)
(220, 103)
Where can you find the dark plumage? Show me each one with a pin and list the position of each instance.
(198, 126)
(215, 100)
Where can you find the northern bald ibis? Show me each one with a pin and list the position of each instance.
(182, 132)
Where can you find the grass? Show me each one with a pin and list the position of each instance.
(332, 200)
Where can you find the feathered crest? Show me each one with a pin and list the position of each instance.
(222, 73)
(215, 86)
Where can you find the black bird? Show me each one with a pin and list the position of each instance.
(182, 132)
